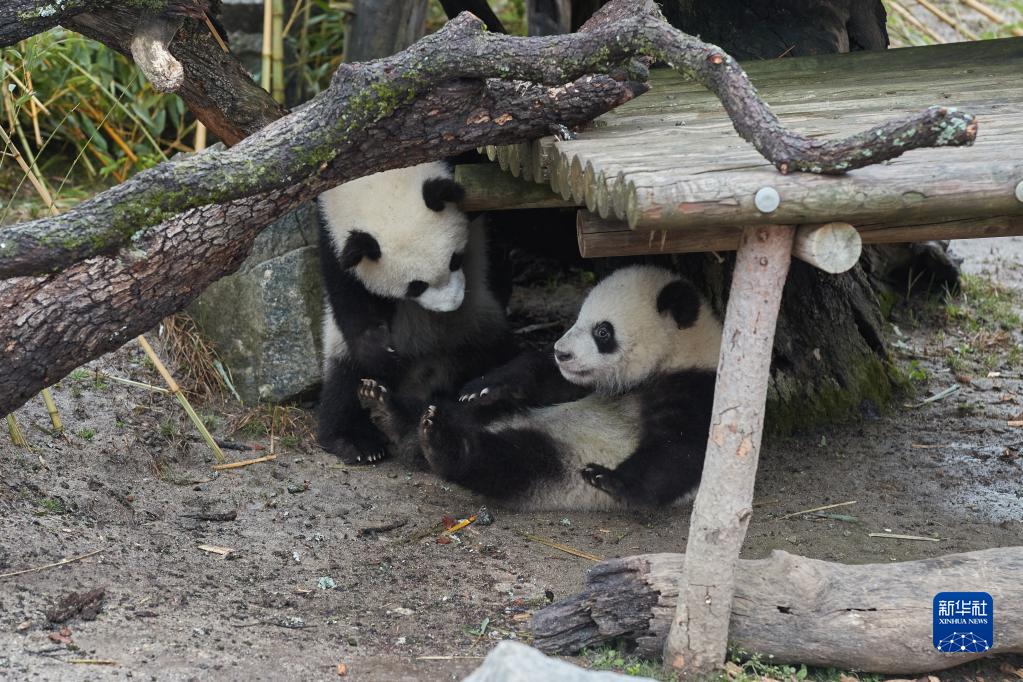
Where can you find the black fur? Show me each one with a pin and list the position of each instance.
(452, 8)
(604, 337)
(439, 191)
(666, 464)
(359, 245)
(682, 300)
(345, 426)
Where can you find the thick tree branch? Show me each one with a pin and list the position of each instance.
(50, 325)
(360, 95)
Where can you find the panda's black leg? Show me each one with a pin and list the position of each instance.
(375, 398)
(344, 428)
(446, 447)
(501, 465)
(657, 473)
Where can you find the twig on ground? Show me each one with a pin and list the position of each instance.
(383, 528)
(63, 562)
(897, 536)
(243, 463)
(940, 395)
(817, 509)
(564, 548)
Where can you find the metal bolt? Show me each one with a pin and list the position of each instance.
(766, 199)
(763, 261)
(1019, 192)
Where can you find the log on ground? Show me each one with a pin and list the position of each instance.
(870, 617)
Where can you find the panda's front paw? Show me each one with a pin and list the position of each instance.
(480, 390)
(602, 478)
(350, 453)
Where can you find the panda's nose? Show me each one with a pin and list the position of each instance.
(562, 356)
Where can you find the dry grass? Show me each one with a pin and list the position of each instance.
(291, 427)
(193, 359)
(926, 22)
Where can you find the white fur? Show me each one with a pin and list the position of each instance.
(649, 342)
(416, 243)
(605, 427)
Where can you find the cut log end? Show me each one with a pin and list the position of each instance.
(832, 247)
(150, 50)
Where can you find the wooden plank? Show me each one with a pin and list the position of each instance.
(599, 238)
(671, 159)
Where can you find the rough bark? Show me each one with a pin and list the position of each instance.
(361, 94)
(50, 325)
(724, 504)
(871, 617)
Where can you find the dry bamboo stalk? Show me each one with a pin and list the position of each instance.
(33, 108)
(215, 33)
(243, 463)
(991, 14)
(200, 137)
(268, 18)
(16, 436)
(176, 390)
(62, 562)
(938, 12)
(277, 51)
(916, 23)
(51, 408)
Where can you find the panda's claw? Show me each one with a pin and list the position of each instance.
(602, 478)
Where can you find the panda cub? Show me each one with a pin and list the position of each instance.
(619, 418)
(407, 301)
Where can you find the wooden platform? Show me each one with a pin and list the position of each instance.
(670, 160)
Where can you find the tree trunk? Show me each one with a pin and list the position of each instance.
(873, 617)
(381, 28)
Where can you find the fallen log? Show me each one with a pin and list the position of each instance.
(870, 617)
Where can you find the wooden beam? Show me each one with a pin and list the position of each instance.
(791, 609)
(698, 636)
(488, 188)
(599, 238)
(832, 247)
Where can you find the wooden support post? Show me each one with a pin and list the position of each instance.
(698, 637)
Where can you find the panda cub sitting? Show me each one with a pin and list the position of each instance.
(619, 419)
(407, 301)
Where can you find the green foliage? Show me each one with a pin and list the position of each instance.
(84, 114)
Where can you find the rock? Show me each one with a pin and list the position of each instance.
(515, 662)
(265, 319)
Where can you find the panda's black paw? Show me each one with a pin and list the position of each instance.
(369, 452)
(376, 400)
(602, 478)
(479, 390)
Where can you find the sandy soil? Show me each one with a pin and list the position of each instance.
(172, 611)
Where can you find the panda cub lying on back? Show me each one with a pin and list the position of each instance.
(407, 301)
(618, 419)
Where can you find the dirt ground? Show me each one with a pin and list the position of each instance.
(308, 586)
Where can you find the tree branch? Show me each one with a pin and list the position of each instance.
(309, 141)
(50, 325)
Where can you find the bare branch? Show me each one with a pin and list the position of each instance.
(50, 325)
(310, 141)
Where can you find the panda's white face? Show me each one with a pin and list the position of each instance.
(640, 321)
(401, 234)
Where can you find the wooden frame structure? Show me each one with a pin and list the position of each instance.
(666, 173)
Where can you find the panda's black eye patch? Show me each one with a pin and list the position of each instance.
(416, 287)
(456, 261)
(604, 336)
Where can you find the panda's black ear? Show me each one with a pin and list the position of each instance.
(359, 245)
(681, 299)
(438, 191)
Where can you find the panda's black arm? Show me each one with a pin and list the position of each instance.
(531, 379)
(668, 462)
(452, 8)
(362, 317)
